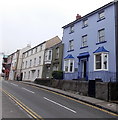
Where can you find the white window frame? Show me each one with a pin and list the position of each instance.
(69, 61)
(85, 23)
(102, 61)
(71, 28)
(84, 40)
(101, 38)
(71, 45)
(101, 15)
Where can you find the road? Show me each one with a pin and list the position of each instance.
(30, 101)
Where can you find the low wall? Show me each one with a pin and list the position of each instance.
(103, 90)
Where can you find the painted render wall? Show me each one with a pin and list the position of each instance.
(92, 31)
(36, 67)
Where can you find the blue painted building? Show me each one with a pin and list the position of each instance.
(90, 45)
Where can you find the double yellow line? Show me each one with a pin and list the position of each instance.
(24, 107)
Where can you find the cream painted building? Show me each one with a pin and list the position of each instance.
(33, 60)
(16, 63)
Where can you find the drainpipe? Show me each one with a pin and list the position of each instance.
(116, 36)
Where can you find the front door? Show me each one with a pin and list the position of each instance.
(84, 68)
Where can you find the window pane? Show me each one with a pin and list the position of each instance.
(101, 15)
(101, 35)
(39, 60)
(84, 41)
(85, 23)
(57, 52)
(98, 61)
(105, 61)
(66, 65)
(72, 28)
(71, 45)
(49, 57)
(71, 66)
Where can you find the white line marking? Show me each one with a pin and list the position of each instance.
(14, 84)
(60, 105)
(28, 90)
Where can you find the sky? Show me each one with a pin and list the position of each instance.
(25, 22)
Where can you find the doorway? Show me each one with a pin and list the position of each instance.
(21, 76)
(84, 68)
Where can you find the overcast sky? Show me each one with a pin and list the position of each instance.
(25, 22)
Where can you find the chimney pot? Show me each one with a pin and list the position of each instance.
(78, 16)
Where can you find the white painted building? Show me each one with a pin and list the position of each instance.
(33, 60)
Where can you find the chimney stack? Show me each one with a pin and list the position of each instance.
(78, 16)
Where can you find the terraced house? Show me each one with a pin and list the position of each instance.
(90, 45)
(33, 60)
(53, 60)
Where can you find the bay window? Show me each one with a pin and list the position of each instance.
(69, 65)
(101, 61)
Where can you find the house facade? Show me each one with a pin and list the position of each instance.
(53, 60)
(33, 60)
(15, 59)
(90, 45)
(32, 64)
(14, 64)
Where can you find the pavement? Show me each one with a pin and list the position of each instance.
(112, 107)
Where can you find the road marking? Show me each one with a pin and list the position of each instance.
(95, 107)
(60, 105)
(24, 107)
(28, 90)
(14, 84)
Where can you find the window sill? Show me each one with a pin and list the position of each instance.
(83, 47)
(101, 42)
(85, 26)
(100, 70)
(101, 19)
(71, 32)
(70, 50)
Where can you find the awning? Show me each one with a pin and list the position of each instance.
(69, 56)
(101, 49)
(83, 55)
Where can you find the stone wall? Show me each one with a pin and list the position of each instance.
(103, 90)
